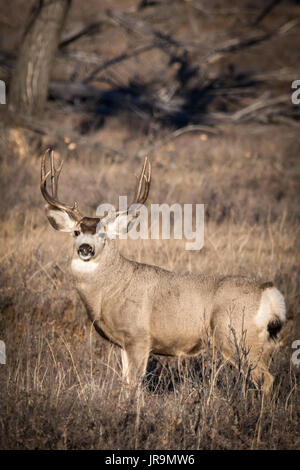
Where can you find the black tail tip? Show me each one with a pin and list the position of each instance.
(274, 327)
(266, 285)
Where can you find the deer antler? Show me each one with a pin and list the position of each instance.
(145, 177)
(52, 200)
(143, 186)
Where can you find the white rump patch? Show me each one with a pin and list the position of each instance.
(272, 305)
(125, 365)
(83, 266)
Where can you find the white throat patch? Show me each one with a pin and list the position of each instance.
(83, 266)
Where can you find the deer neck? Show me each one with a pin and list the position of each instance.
(104, 280)
(103, 274)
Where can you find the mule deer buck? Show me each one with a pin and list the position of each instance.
(145, 309)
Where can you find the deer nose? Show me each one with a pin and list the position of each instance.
(86, 250)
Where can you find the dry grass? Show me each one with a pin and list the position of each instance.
(61, 386)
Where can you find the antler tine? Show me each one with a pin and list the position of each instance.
(52, 200)
(144, 183)
(140, 182)
(148, 181)
(54, 173)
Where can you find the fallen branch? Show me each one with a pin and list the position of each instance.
(142, 28)
(258, 105)
(115, 60)
(70, 90)
(266, 10)
(237, 44)
(262, 109)
(150, 106)
(92, 28)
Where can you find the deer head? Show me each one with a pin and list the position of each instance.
(90, 233)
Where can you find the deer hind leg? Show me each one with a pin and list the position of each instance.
(257, 359)
(260, 374)
(134, 362)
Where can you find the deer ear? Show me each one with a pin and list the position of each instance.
(60, 220)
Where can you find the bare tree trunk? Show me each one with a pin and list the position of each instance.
(29, 84)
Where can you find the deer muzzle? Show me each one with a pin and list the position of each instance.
(86, 251)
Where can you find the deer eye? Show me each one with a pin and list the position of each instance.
(76, 233)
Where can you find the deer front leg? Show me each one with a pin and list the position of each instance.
(134, 362)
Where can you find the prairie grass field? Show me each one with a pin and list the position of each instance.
(61, 387)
